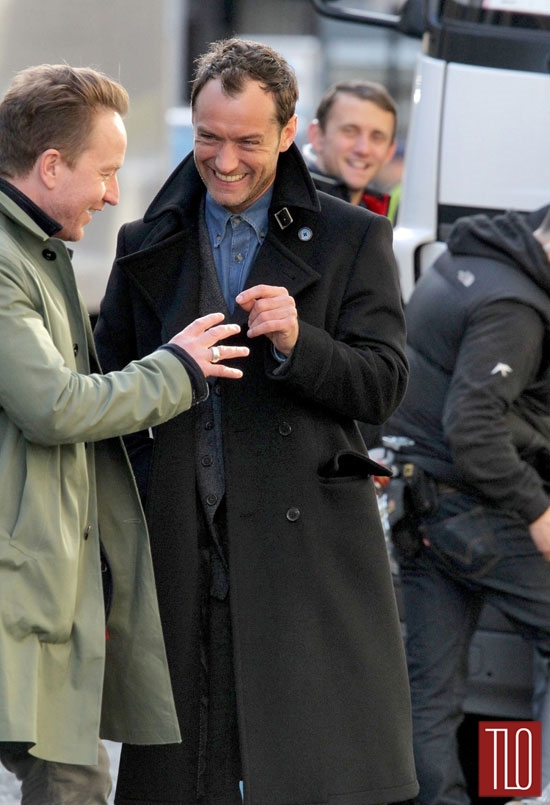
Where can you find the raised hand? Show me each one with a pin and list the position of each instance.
(200, 340)
(271, 312)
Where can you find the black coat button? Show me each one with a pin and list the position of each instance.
(75, 349)
(285, 429)
(211, 500)
(206, 461)
(48, 254)
(293, 514)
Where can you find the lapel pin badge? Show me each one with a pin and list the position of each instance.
(284, 218)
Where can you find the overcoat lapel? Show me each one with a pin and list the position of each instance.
(278, 265)
(173, 292)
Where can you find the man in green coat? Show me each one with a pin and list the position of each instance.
(81, 646)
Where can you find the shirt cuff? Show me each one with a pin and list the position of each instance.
(279, 355)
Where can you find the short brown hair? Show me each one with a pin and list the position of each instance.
(236, 61)
(52, 106)
(365, 91)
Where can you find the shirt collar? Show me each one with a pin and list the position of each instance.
(47, 224)
(257, 215)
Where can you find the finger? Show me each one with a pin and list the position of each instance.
(271, 310)
(230, 372)
(220, 332)
(247, 298)
(216, 354)
(229, 353)
(197, 328)
(273, 321)
(280, 309)
(268, 327)
(219, 353)
(204, 323)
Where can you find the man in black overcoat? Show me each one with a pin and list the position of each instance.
(274, 587)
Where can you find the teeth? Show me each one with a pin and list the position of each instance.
(229, 179)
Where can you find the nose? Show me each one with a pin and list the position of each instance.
(362, 143)
(226, 160)
(112, 191)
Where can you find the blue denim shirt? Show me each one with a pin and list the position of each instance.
(235, 240)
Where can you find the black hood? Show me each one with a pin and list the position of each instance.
(507, 238)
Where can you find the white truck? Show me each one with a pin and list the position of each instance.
(478, 141)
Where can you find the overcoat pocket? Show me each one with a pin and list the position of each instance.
(349, 464)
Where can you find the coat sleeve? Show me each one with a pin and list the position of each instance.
(500, 356)
(357, 368)
(51, 402)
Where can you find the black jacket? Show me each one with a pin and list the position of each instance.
(478, 400)
(321, 680)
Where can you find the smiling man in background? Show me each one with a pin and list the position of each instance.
(351, 138)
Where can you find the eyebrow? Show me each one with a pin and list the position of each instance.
(251, 135)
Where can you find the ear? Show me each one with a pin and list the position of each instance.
(288, 133)
(48, 164)
(315, 135)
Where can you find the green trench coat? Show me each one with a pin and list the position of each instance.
(64, 481)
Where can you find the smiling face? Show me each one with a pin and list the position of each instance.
(357, 140)
(74, 194)
(238, 142)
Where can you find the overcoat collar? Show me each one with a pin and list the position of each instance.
(166, 265)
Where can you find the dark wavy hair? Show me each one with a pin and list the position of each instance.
(236, 61)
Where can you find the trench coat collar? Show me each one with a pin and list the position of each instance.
(11, 209)
(15, 211)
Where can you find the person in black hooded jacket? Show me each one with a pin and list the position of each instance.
(477, 414)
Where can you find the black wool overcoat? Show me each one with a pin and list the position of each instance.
(321, 679)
